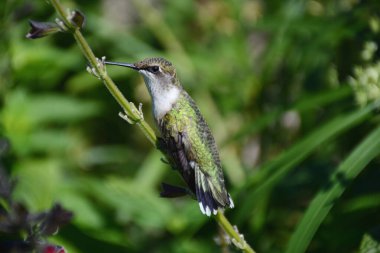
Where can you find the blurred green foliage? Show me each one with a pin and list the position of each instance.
(289, 88)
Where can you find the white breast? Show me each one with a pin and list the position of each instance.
(163, 94)
(163, 102)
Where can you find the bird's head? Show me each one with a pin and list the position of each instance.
(158, 73)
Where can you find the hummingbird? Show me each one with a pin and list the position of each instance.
(185, 138)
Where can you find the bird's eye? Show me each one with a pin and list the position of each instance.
(154, 69)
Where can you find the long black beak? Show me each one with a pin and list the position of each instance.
(128, 65)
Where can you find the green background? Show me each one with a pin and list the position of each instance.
(289, 89)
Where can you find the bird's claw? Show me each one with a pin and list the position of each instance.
(164, 161)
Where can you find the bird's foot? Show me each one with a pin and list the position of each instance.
(163, 160)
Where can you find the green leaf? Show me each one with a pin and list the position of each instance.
(369, 245)
(361, 203)
(306, 104)
(38, 182)
(131, 205)
(152, 170)
(325, 199)
(51, 141)
(26, 118)
(275, 170)
(86, 213)
(48, 108)
(55, 108)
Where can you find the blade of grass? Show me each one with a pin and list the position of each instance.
(275, 170)
(306, 104)
(161, 29)
(348, 170)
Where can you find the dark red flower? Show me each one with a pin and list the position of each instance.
(42, 29)
(52, 249)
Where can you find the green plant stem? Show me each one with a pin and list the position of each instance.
(233, 233)
(132, 112)
(129, 108)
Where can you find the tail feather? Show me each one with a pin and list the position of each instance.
(207, 195)
(231, 204)
(206, 202)
(172, 191)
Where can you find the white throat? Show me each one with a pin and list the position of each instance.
(163, 98)
(163, 102)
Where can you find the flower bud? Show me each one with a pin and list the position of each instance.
(42, 29)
